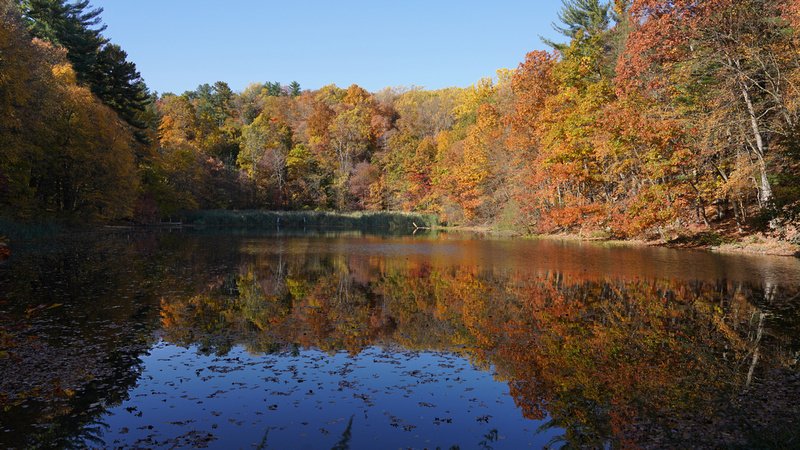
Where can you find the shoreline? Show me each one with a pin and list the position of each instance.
(753, 244)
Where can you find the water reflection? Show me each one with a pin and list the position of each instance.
(75, 319)
(603, 345)
(602, 339)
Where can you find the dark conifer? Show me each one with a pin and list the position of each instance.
(118, 84)
(103, 67)
(294, 89)
(585, 16)
(69, 25)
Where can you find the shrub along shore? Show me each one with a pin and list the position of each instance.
(319, 219)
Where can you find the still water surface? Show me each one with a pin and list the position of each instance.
(293, 339)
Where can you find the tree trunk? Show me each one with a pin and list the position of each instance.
(764, 188)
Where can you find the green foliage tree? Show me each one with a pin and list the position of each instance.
(274, 89)
(69, 25)
(294, 89)
(98, 64)
(247, 104)
(263, 155)
(213, 102)
(587, 17)
(119, 85)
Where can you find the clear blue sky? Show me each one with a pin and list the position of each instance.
(180, 44)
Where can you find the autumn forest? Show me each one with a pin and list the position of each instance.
(652, 118)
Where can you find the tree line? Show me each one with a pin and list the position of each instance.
(652, 117)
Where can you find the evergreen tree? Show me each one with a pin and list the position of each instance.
(274, 89)
(294, 89)
(213, 102)
(221, 102)
(118, 84)
(100, 65)
(69, 25)
(588, 17)
(201, 97)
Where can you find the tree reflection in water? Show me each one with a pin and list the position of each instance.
(613, 346)
(610, 360)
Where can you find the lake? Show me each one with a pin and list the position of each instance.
(247, 338)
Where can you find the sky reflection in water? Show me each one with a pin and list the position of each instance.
(395, 398)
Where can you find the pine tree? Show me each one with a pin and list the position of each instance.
(274, 89)
(103, 67)
(221, 102)
(118, 84)
(69, 25)
(588, 17)
(294, 89)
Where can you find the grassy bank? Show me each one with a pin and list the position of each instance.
(320, 219)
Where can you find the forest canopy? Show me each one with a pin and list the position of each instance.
(649, 117)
